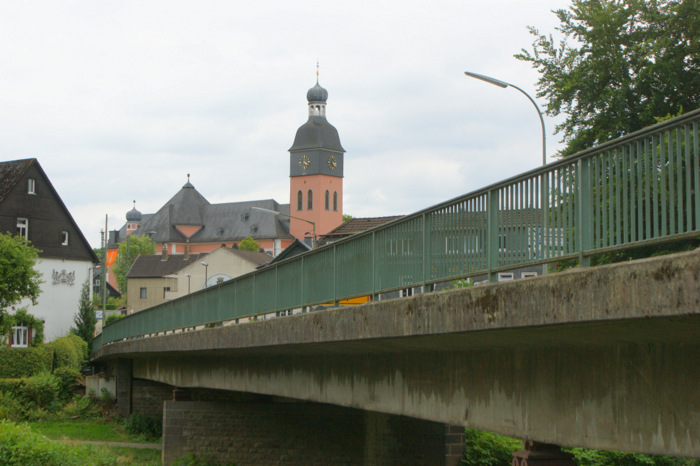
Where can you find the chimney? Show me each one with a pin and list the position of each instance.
(164, 257)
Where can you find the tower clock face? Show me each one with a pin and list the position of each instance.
(304, 162)
(332, 163)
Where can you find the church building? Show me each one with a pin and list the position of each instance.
(188, 223)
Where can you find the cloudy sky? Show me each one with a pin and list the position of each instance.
(119, 100)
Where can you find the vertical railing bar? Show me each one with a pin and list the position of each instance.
(649, 191)
(696, 170)
(689, 168)
(625, 196)
(665, 182)
(678, 166)
(655, 186)
(618, 195)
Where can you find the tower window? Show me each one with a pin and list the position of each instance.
(300, 201)
(31, 186)
(328, 200)
(335, 201)
(23, 227)
(310, 200)
(64, 238)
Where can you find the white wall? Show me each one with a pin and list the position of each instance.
(60, 297)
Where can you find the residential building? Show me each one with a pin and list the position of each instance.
(30, 207)
(155, 279)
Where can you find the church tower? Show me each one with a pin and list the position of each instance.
(316, 171)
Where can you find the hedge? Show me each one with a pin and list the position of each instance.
(25, 362)
(69, 352)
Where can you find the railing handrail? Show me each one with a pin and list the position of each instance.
(608, 194)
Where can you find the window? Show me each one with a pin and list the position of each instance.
(310, 200)
(335, 201)
(64, 238)
(31, 186)
(528, 274)
(165, 290)
(142, 293)
(505, 276)
(328, 200)
(20, 336)
(300, 201)
(23, 228)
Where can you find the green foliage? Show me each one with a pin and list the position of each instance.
(585, 457)
(25, 362)
(249, 244)
(23, 317)
(142, 426)
(461, 283)
(487, 449)
(40, 390)
(68, 379)
(113, 317)
(18, 279)
(620, 65)
(81, 407)
(69, 351)
(137, 246)
(19, 445)
(347, 217)
(85, 319)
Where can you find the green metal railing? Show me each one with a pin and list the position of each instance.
(637, 190)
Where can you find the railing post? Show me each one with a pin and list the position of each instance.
(492, 233)
(584, 209)
(426, 256)
(374, 267)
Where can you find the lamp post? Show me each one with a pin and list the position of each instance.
(188, 282)
(503, 84)
(206, 275)
(313, 225)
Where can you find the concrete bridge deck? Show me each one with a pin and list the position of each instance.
(603, 357)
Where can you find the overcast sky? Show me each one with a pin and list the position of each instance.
(120, 100)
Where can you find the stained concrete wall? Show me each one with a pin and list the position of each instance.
(601, 358)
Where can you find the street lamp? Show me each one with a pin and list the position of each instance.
(206, 276)
(188, 282)
(313, 225)
(503, 84)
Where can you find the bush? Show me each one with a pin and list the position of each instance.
(40, 390)
(24, 362)
(10, 407)
(487, 449)
(138, 425)
(112, 318)
(19, 445)
(82, 407)
(69, 351)
(67, 382)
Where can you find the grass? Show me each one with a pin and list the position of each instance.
(137, 456)
(99, 431)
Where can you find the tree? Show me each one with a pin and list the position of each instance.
(85, 319)
(621, 65)
(249, 244)
(137, 246)
(347, 217)
(18, 278)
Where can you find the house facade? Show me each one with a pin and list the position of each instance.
(155, 279)
(30, 207)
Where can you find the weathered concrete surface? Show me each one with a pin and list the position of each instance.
(603, 358)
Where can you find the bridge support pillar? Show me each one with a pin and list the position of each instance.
(277, 431)
(541, 454)
(124, 377)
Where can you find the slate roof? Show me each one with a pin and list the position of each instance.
(297, 247)
(357, 225)
(231, 221)
(10, 172)
(317, 133)
(155, 267)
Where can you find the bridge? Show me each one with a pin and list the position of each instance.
(601, 357)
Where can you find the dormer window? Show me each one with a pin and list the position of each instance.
(31, 186)
(254, 229)
(244, 217)
(219, 231)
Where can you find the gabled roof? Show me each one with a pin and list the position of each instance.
(155, 267)
(297, 247)
(357, 225)
(11, 172)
